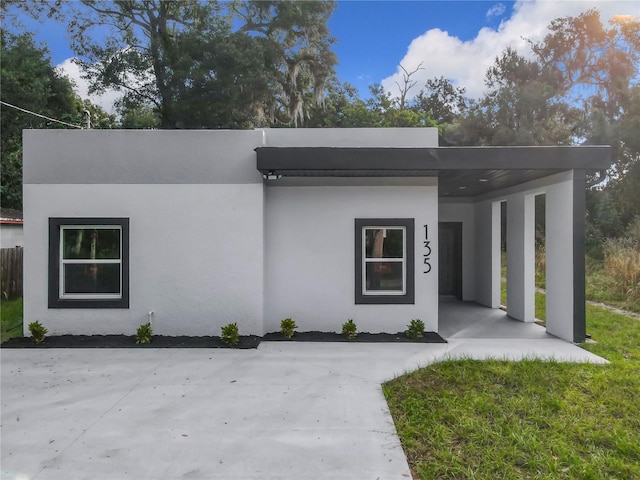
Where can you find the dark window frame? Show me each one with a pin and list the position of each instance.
(409, 295)
(55, 301)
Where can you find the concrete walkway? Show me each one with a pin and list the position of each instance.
(283, 411)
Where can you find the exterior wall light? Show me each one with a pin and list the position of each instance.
(271, 175)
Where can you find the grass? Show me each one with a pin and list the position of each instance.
(11, 319)
(604, 288)
(469, 419)
(600, 285)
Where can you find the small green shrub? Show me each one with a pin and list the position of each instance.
(349, 329)
(415, 329)
(288, 328)
(144, 333)
(230, 335)
(38, 332)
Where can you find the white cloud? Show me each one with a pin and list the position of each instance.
(105, 100)
(496, 11)
(465, 62)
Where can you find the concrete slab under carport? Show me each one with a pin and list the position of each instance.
(475, 331)
(287, 410)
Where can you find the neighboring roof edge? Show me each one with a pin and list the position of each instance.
(10, 216)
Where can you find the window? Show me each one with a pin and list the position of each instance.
(384, 260)
(88, 263)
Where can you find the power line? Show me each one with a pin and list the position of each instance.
(39, 115)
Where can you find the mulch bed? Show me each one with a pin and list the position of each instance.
(248, 341)
(125, 341)
(400, 337)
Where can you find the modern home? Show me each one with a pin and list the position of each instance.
(193, 230)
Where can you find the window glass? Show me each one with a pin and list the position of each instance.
(92, 278)
(384, 242)
(91, 243)
(384, 276)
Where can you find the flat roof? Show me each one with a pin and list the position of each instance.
(461, 171)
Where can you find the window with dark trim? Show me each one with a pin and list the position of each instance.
(88, 263)
(384, 260)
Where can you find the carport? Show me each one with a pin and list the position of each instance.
(472, 184)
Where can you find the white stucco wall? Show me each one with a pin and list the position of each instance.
(351, 137)
(195, 256)
(310, 256)
(463, 211)
(196, 207)
(11, 236)
(194, 200)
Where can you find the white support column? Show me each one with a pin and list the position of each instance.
(521, 257)
(482, 255)
(488, 253)
(496, 253)
(560, 281)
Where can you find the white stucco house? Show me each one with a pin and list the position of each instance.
(204, 228)
(11, 234)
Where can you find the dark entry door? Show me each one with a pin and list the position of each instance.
(450, 258)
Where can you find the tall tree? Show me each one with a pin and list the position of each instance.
(597, 67)
(442, 100)
(207, 64)
(31, 83)
(590, 61)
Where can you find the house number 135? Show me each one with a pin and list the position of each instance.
(427, 251)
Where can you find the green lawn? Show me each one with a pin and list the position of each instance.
(11, 319)
(469, 419)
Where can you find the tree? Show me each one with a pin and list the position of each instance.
(522, 106)
(31, 83)
(598, 67)
(589, 61)
(140, 116)
(444, 102)
(344, 109)
(207, 64)
(576, 88)
(407, 85)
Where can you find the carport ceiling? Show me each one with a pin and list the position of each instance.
(461, 171)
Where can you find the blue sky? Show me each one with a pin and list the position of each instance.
(373, 36)
(455, 39)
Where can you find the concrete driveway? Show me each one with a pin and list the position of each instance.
(283, 411)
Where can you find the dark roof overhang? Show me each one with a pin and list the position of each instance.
(461, 171)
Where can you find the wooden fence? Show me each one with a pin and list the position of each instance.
(11, 272)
